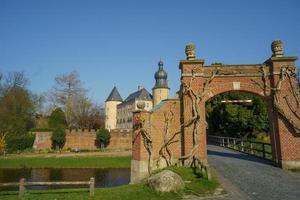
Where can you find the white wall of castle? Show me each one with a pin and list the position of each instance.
(111, 114)
(124, 113)
(160, 94)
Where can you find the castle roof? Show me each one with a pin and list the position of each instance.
(141, 94)
(161, 77)
(114, 95)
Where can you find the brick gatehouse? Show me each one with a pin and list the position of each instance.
(174, 132)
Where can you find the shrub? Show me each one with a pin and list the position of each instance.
(57, 119)
(102, 138)
(41, 130)
(2, 144)
(16, 143)
(58, 138)
(263, 137)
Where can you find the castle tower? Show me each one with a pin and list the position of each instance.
(161, 89)
(111, 103)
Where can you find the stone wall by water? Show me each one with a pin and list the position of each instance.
(120, 139)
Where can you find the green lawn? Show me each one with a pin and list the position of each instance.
(194, 185)
(65, 162)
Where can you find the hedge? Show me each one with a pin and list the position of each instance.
(41, 130)
(19, 142)
(58, 138)
(102, 138)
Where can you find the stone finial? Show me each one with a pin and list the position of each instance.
(277, 48)
(190, 51)
(140, 105)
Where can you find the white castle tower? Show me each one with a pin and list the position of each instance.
(161, 89)
(111, 103)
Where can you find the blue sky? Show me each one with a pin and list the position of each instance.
(120, 42)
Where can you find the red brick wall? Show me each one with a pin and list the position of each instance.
(249, 78)
(42, 140)
(158, 128)
(285, 142)
(139, 152)
(288, 142)
(155, 125)
(120, 139)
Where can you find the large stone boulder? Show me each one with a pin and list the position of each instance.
(166, 181)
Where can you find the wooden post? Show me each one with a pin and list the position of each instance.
(264, 150)
(22, 187)
(242, 146)
(251, 148)
(92, 187)
(227, 142)
(234, 143)
(223, 142)
(208, 174)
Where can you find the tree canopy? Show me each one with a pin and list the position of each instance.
(57, 119)
(236, 119)
(102, 137)
(17, 105)
(69, 94)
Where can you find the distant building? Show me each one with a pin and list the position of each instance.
(161, 88)
(111, 103)
(125, 109)
(118, 113)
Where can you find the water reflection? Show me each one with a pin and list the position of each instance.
(103, 177)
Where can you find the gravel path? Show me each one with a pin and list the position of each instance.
(248, 177)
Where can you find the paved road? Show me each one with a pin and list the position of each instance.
(247, 177)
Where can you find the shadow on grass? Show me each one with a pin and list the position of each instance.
(197, 172)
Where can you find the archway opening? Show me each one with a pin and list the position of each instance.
(239, 120)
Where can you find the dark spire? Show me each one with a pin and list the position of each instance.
(161, 77)
(114, 95)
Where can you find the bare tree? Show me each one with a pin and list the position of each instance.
(96, 117)
(66, 86)
(15, 79)
(82, 110)
(68, 93)
(85, 114)
(1, 84)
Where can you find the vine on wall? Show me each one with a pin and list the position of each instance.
(289, 74)
(141, 128)
(192, 158)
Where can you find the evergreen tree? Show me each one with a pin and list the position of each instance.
(57, 119)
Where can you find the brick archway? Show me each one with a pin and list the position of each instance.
(174, 131)
(274, 81)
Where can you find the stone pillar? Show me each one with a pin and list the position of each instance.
(140, 156)
(192, 68)
(284, 138)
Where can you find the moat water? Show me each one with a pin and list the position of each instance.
(107, 177)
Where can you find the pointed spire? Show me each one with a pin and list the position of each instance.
(160, 64)
(114, 95)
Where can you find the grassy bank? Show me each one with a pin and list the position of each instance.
(193, 185)
(295, 170)
(65, 162)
